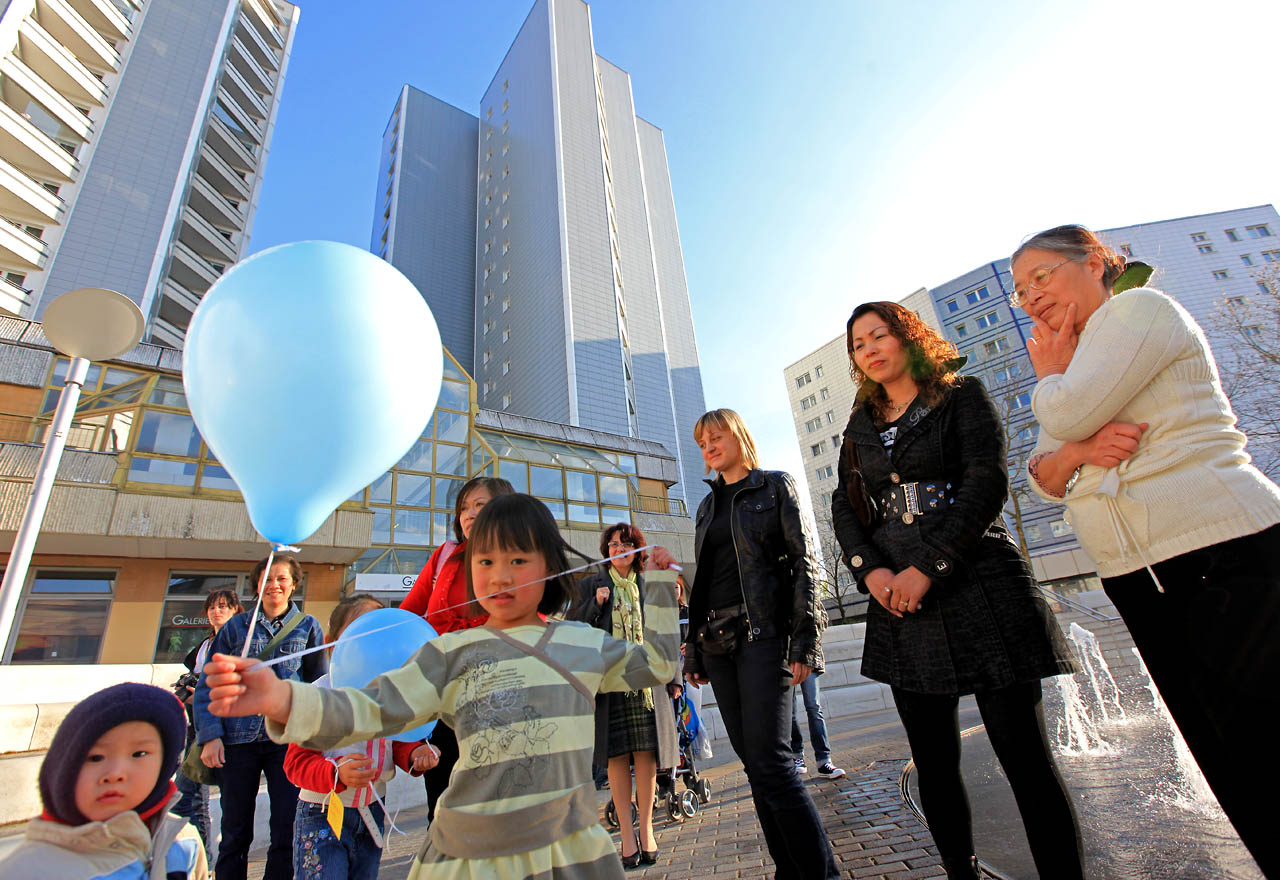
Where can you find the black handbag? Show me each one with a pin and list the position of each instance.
(855, 488)
(723, 632)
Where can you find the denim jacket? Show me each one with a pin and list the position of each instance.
(230, 640)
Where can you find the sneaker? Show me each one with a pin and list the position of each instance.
(830, 771)
(801, 767)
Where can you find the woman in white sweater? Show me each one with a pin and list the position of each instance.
(1138, 439)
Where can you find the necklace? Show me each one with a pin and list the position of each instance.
(897, 409)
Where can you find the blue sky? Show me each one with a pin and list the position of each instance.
(837, 153)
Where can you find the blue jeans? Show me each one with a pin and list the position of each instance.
(193, 806)
(318, 855)
(753, 687)
(817, 722)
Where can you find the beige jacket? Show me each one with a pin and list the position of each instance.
(53, 851)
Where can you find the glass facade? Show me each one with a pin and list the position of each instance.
(64, 616)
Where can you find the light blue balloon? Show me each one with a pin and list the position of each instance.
(310, 369)
(358, 661)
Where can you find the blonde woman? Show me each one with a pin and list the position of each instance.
(755, 624)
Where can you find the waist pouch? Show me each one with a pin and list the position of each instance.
(723, 631)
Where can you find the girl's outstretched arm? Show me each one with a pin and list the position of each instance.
(629, 667)
(240, 686)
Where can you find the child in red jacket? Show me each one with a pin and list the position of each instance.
(354, 773)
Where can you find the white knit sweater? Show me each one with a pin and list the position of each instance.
(1142, 358)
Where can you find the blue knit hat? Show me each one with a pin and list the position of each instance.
(88, 721)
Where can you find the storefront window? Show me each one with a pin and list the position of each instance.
(183, 625)
(64, 617)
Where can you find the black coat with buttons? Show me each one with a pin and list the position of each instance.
(777, 559)
(983, 624)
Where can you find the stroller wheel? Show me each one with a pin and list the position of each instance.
(673, 810)
(704, 791)
(611, 815)
(689, 804)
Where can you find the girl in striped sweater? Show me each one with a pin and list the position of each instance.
(520, 692)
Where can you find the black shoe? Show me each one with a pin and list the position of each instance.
(648, 858)
(962, 869)
(633, 860)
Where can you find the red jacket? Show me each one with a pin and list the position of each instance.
(449, 592)
(310, 771)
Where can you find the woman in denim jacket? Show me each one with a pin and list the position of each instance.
(240, 746)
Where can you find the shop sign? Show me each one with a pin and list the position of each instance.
(371, 582)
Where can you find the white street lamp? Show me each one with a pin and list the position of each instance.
(91, 324)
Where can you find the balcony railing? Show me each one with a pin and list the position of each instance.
(60, 68)
(69, 28)
(238, 119)
(215, 244)
(13, 297)
(29, 199)
(23, 249)
(234, 83)
(21, 141)
(236, 149)
(262, 52)
(30, 82)
(250, 68)
(658, 504)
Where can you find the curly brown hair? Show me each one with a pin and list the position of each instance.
(929, 358)
(628, 534)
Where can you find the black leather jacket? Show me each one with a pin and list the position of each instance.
(777, 561)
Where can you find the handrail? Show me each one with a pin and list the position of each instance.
(1076, 606)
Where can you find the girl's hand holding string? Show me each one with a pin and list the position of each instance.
(425, 757)
(356, 770)
(240, 686)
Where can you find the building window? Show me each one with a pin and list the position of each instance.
(506, 248)
(64, 616)
(506, 304)
(506, 367)
(487, 221)
(1232, 235)
(506, 105)
(815, 450)
(488, 325)
(488, 297)
(1271, 256)
(1246, 259)
(811, 400)
(1127, 250)
(1220, 275)
(1060, 527)
(506, 401)
(506, 84)
(506, 194)
(978, 295)
(952, 306)
(825, 473)
(1032, 533)
(1253, 331)
(1199, 236)
(1022, 400)
(506, 275)
(812, 425)
(962, 331)
(506, 219)
(1235, 300)
(835, 441)
(802, 381)
(1262, 287)
(831, 416)
(1006, 374)
(487, 355)
(506, 334)
(996, 346)
(487, 245)
(505, 125)
(990, 319)
(824, 393)
(1205, 248)
(506, 148)
(1260, 231)
(817, 370)
(488, 114)
(506, 170)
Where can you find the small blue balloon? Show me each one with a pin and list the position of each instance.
(358, 661)
(310, 369)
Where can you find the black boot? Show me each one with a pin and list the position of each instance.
(962, 869)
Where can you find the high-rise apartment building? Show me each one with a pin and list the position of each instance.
(135, 136)
(579, 309)
(1207, 262)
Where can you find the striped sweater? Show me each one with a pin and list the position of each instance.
(522, 703)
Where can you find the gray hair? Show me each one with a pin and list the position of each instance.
(1075, 243)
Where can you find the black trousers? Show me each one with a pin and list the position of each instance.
(1211, 641)
(245, 765)
(753, 692)
(437, 778)
(1014, 719)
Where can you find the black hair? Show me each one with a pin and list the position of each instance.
(495, 485)
(522, 522)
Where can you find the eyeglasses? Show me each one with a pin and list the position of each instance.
(282, 579)
(620, 545)
(221, 606)
(1039, 278)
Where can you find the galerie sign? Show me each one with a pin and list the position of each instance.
(384, 582)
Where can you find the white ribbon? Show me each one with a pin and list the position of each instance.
(371, 632)
(1110, 487)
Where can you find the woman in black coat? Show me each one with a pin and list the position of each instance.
(632, 729)
(957, 610)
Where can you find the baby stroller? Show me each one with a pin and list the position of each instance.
(678, 805)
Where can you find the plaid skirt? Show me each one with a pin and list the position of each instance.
(631, 725)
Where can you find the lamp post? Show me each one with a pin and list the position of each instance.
(90, 324)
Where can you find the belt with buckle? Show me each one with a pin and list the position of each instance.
(726, 612)
(906, 501)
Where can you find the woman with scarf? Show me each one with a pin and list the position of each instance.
(632, 729)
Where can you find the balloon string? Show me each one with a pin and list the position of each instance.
(371, 632)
